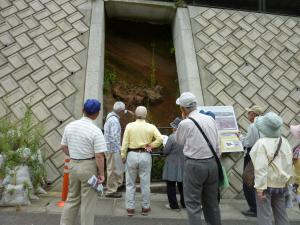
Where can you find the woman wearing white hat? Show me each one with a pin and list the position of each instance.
(295, 130)
(272, 160)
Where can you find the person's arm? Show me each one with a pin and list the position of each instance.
(158, 140)
(260, 161)
(65, 149)
(168, 148)
(125, 144)
(251, 137)
(99, 157)
(180, 136)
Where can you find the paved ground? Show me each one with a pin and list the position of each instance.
(112, 211)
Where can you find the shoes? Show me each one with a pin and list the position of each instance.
(130, 212)
(249, 213)
(168, 207)
(145, 211)
(114, 195)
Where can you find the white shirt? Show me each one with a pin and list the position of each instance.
(195, 146)
(83, 139)
(112, 132)
(251, 137)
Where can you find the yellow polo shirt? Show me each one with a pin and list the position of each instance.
(138, 134)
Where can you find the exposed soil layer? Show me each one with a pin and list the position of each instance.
(136, 51)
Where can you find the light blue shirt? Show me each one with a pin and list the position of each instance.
(112, 132)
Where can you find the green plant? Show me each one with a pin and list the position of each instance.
(179, 3)
(153, 67)
(157, 168)
(110, 77)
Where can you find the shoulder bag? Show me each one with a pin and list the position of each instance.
(248, 174)
(223, 179)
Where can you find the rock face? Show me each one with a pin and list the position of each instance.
(134, 96)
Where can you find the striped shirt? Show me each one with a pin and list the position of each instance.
(83, 139)
(112, 132)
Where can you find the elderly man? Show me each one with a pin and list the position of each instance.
(248, 141)
(112, 133)
(200, 168)
(84, 142)
(139, 139)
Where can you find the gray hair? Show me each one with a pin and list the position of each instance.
(119, 106)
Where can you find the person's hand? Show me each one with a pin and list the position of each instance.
(238, 134)
(101, 179)
(148, 148)
(261, 196)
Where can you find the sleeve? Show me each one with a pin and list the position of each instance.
(157, 138)
(169, 145)
(259, 158)
(64, 140)
(180, 135)
(99, 142)
(218, 150)
(125, 142)
(251, 137)
(111, 133)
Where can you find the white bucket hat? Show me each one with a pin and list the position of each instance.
(141, 111)
(269, 124)
(119, 106)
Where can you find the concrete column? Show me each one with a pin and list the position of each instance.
(187, 67)
(95, 62)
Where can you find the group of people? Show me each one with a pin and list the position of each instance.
(191, 162)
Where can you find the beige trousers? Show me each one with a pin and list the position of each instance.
(80, 195)
(113, 180)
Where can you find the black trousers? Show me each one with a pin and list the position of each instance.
(249, 192)
(171, 192)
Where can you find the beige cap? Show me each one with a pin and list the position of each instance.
(187, 99)
(256, 109)
(141, 111)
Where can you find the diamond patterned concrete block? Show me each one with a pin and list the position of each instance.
(53, 64)
(6, 69)
(282, 37)
(221, 57)
(47, 23)
(16, 60)
(68, 8)
(257, 52)
(225, 32)
(36, 5)
(210, 30)
(215, 21)
(214, 66)
(240, 79)
(78, 2)
(42, 14)
(19, 109)
(60, 44)
(291, 74)
(246, 69)
(294, 106)
(225, 98)
(239, 33)
(47, 86)
(201, 20)
(58, 159)
(60, 112)
(8, 83)
(287, 115)
(204, 55)
(243, 50)
(76, 45)
(235, 181)
(46, 151)
(40, 111)
(236, 59)
(242, 100)
(30, 50)
(58, 15)
(265, 91)
(294, 64)
(2, 60)
(30, 22)
(64, 54)
(208, 14)
(228, 163)
(286, 83)
(246, 26)
(53, 139)
(11, 49)
(216, 87)
(74, 17)
(22, 72)
(253, 34)
(52, 172)
(250, 90)
(46, 53)
(4, 4)
(28, 85)
(233, 89)
(262, 70)
(14, 96)
(40, 74)
(8, 11)
(281, 93)
(243, 122)
(257, 100)
(276, 72)
(35, 62)
(6, 39)
(53, 99)
(64, 25)
(23, 40)
(71, 65)
(3, 109)
(212, 47)
(53, 33)
(66, 87)
(18, 30)
(13, 20)
(52, 6)
(276, 103)
(41, 41)
(203, 38)
(4, 27)
(49, 124)
(61, 128)
(34, 97)
(225, 79)
(230, 68)
(59, 75)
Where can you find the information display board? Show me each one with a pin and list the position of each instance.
(227, 127)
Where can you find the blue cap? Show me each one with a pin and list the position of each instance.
(92, 106)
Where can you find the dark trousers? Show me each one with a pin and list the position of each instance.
(201, 188)
(249, 192)
(171, 192)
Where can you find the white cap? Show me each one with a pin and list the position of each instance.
(141, 111)
(119, 106)
(187, 99)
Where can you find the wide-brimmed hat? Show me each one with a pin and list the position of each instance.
(295, 130)
(256, 109)
(269, 124)
(187, 99)
(175, 122)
